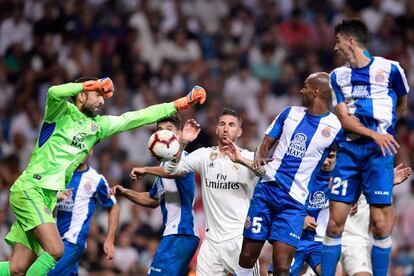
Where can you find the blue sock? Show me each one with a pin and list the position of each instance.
(380, 255)
(331, 252)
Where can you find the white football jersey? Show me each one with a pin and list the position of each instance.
(226, 188)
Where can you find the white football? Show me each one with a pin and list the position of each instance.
(164, 145)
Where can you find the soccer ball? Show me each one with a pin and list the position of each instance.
(164, 145)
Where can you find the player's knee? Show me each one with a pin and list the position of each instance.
(281, 269)
(334, 228)
(247, 259)
(56, 251)
(17, 269)
(380, 228)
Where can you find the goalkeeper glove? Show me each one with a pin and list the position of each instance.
(196, 95)
(103, 86)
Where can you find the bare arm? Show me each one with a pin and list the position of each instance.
(401, 105)
(260, 156)
(113, 223)
(142, 199)
(139, 172)
(385, 141)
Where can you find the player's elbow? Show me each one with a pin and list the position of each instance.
(154, 204)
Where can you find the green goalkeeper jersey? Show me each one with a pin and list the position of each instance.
(67, 135)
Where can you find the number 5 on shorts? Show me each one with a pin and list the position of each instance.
(337, 183)
(256, 225)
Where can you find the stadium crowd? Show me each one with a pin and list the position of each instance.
(252, 55)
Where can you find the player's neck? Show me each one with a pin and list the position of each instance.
(82, 167)
(359, 58)
(318, 108)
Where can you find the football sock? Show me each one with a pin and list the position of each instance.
(42, 265)
(380, 255)
(331, 252)
(240, 271)
(5, 268)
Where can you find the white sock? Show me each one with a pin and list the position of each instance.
(240, 271)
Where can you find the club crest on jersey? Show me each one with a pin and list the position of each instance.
(213, 156)
(318, 200)
(380, 76)
(247, 223)
(344, 78)
(88, 186)
(47, 210)
(326, 132)
(94, 128)
(297, 146)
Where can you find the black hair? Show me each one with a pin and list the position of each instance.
(174, 119)
(355, 28)
(81, 80)
(231, 112)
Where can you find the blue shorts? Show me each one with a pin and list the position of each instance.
(173, 255)
(362, 168)
(68, 264)
(274, 215)
(309, 252)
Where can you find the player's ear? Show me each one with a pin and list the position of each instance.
(81, 97)
(239, 132)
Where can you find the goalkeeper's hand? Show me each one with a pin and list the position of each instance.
(103, 86)
(196, 95)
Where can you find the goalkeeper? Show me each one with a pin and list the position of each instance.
(68, 133)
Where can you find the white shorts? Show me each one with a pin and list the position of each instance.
(356, 258)
(220, 258)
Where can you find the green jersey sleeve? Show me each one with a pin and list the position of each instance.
(56, 102)
(111, 125)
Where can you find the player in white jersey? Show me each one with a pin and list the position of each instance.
(277, 210)
(369, 95)
(74, 215)
(226, 189)
(176, 198)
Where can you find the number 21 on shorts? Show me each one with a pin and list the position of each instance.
(339, 186)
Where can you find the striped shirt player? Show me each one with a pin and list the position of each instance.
(226, 189)
(74, 216)
(370, 94)
(310, 245)
(277, 210)
(180, 237)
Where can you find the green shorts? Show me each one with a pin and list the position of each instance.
(32, 207)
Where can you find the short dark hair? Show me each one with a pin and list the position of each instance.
(174, 119)
(354, 27)
(231, 112)
(81, 80)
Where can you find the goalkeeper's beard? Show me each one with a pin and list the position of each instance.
(89, 111)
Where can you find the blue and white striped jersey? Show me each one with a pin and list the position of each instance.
(75, 213)
(370, 93)
(317, 206)
(176, 197)
(304, 142)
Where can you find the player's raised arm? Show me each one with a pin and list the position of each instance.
(57, 95)
(142, 199)
(112, 125)
(139, 172)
